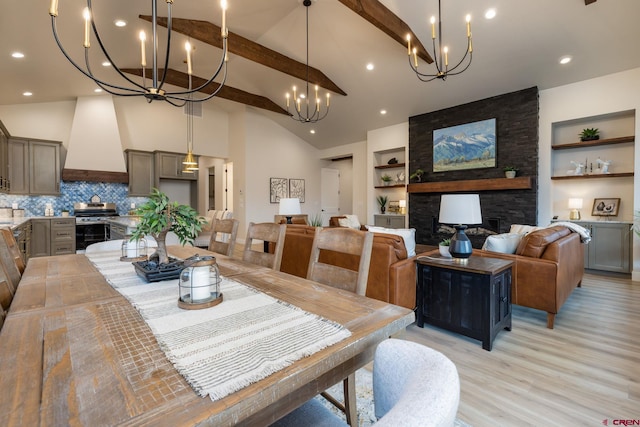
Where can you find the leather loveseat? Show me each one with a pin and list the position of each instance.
(392, 276)
(548, 265)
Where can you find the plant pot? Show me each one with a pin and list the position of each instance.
(510, 174)
(154, 272)
(444, 251)
(590, 138)
(382, 209)
(386, 183)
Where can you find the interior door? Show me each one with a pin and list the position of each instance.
(329, 194)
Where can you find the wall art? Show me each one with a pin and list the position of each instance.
(277, 189)
(605, 207)
(467, 146)
(296, 189)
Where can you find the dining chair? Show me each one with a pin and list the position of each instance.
(8, 262)
(6, 294)
(228, 228)
(329, 246)
(413, 385)
(14, 250)
(266, 232)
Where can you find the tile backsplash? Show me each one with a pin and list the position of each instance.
(73, 192)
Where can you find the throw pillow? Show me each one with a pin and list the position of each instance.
(523, 229)
(350, 221)
(506, 243)
(407, 234)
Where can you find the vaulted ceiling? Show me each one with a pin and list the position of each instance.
(519, 48)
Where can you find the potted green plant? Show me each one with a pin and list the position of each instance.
(443, 247)
(158, 216)
(64, 212)
(316, 220)
(386, 179)
(510, 171)
(417, 175)
(382, 201)
(589, 134)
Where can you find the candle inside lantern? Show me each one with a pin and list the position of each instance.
(200, 283)
(132, 249)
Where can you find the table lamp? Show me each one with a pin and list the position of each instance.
(575, 205)
(402, 204)
(460, 210)
(289, 207)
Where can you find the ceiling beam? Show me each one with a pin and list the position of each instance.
(210, 33)
(387, 21)
(180, 79)
(588, 2)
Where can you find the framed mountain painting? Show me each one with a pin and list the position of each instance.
(467, 146)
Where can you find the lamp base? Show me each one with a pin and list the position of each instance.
(574, 214)
(460, 247)
(289, 219)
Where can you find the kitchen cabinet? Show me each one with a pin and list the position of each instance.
(33, 166)
(4, 160)
(22, 234)
(40, 237)
(169, 166)
(53, 236)
(389, 221)
(140, 167)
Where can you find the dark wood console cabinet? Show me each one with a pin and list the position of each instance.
(472, 299)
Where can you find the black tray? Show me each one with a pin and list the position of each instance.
(151, 271)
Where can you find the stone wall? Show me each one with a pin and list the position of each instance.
(516, 117)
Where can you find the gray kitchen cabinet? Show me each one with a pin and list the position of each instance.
(169, 166)
(53, 236)
(4, 160)
(140, 166)
(40, 237)
(389, 221)
(33, 166)
(610, 246)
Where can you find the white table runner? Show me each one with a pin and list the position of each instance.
(222, 349)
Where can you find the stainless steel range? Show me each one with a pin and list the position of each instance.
(91, 222)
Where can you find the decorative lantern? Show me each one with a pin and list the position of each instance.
(200, 283)
(133, 250)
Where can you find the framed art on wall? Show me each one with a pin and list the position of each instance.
(467, 146)
(296, 189)
(277, 189)
(605, 207)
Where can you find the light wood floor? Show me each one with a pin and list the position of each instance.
(582, 372)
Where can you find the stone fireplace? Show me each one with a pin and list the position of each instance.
(503, 201)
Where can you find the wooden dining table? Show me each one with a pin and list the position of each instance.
(73, 351)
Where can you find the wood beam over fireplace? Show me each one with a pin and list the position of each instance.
(493, 184)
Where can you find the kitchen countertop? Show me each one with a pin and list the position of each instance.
(14, 222)
(125, 220)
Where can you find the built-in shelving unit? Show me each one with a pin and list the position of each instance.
(391, 166)
(585, 144)
(595, 175)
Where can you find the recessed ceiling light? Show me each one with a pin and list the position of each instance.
(27, 93)
(97, 90)
(370, 66)
(312, 131)
(17, 55)
(120, 23)
(106, 64)
(383, 112)
(565, 60)
(490, 14)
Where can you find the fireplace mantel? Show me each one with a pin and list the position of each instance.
(493, 184)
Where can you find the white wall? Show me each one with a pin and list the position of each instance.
(603, 95)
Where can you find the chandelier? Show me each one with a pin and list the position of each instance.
(441, 55)
(153, 89)
(304, 113)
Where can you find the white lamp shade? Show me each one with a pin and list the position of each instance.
(575, 203)
(290, 206)
(402, 203)
(461, 209)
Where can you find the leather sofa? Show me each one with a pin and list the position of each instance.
(547, 266)
(392, 275)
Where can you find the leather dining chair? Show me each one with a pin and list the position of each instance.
(329, 246)
(266, 232)
(229, 230)
(413, 386)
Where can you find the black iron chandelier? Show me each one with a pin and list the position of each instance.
(155, 90)
(304, 113)
(441, 54)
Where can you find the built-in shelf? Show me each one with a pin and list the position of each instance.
(493, 184)
(595, 175)
(587, 144)
(390, 186)
(391, 166)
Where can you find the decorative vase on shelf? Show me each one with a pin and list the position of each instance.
(510, 174)
(382, 209)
